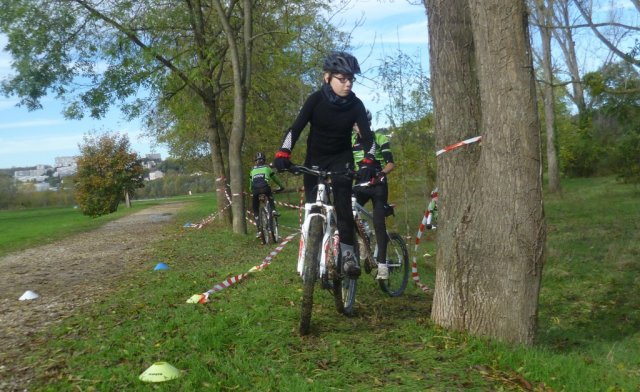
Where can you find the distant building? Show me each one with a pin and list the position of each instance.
(65, 161)
(65, 171)
(154, 157)
(37, 175)
(65, 166)
(154, 175)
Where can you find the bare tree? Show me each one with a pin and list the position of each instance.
(586, 13)
(563, 33)
(492, 234)
(542, 13)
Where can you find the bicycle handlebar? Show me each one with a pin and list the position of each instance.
(300, 169)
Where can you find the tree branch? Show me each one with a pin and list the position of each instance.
(626, 57)
(134, 38)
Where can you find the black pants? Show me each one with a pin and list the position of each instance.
(378, 195)
(256, 200)
(341, 187)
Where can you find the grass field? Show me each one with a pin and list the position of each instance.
(26, 228)
(246, 337)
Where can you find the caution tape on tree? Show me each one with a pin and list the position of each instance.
(459, 144)
(204, 297)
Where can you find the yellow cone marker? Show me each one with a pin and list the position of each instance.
(195, 299)
(159, 372)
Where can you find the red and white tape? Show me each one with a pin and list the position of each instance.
(459, 144)
(207, 220)
(288, 205)
(248, 217)
(426, 219)
(204, 297)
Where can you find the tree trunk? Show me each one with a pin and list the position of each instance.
(127, 200)
(491, 233)
(544, 9)
(241, 77)
(218, 163)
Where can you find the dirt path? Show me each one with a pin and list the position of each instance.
(62, 273)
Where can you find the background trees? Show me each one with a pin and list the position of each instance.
(95, 54)
(107, 173)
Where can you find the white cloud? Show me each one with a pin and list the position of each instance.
(397, 22)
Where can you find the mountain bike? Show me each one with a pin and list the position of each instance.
(319, 254)
(268, 222)
(397, 253)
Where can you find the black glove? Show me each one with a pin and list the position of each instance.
(283, 159)
(381, 177)
(279, 190)
(367, 171)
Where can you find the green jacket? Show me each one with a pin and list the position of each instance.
(383, 153)
(261, 176)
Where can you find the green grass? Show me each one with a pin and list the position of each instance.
(246, 337)
(26, 228)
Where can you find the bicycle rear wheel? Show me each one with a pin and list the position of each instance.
(264, 225)
(310, 271)
(398, 263)
(273, 226)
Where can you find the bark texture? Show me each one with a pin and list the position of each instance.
(491, 232)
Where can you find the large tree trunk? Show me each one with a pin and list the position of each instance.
(491, 233)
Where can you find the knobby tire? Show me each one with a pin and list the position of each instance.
(273, 225)
(398, 258)
(264, 225)
(310, 270)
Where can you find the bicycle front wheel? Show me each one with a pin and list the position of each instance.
(310, 270)
(348, 286)
(398, 263)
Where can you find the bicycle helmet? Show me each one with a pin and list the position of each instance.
(369, 116)
(342, 63)
(260, 158)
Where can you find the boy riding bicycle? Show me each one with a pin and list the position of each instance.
(259, 179)
(377, 192)
(330, 113)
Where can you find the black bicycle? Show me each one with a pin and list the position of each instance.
(397, 253)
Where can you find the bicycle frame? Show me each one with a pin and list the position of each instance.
(330, 240)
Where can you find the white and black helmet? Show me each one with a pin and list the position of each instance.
(342, 63)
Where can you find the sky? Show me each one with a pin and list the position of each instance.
(37, 137)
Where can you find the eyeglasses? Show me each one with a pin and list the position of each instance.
(345, 79)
